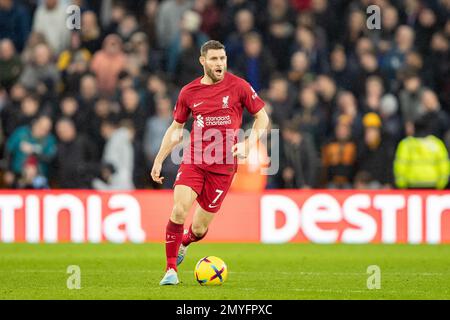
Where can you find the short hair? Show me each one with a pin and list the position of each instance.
(211, 45)
(252, 36)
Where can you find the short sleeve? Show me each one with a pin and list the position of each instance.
(181, 111)
(250, 98)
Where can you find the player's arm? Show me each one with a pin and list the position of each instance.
(172, 137)
(260, 125)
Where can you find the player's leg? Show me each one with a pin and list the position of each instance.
(199, 227)
(210, 199)
(184, 197)
(196, 232)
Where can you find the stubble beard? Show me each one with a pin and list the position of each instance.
(212, 76)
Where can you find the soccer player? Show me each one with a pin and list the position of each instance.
(216, 101)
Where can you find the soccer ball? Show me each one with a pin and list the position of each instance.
(211, 271)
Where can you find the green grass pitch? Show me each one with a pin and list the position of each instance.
(256, 271)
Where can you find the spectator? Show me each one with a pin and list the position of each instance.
(280, 99)
(438, 62)
(30, 178)
(410, 100)
(421, 161)
(426, 25)
(364, 181)
(99, 113)
(155, 129)
(347, 106)
(75, 165)
(139, 51)
(73, 63)
(298, 73)
(88, 92)
(10, 64)
(415, 63)
(435, 120)
(374, 151)
(368, 68)
(395, 58)
(34, 140)
(305, 40)
(42, 75)
(255, 64)
(280, 36)
(70, 108)
(356, 27)
(190, 23)
(340, 70)
(392, 124)
(276, 11)
(118, 157)
(187, 68)
(14, 23)
(156, 87)
(307, 19)
(107, 64)
(244, 23)
(310, 118)
(298, 159)
(35, 39)
(127, 27)
(132, 110)
(50, 20)
(91, 34)
(115, 16)
(339, 157)
(148, 22)
(210, 17)
(14, 116)
(327, 93)
(374, 91)
(389, 23)
(169, 15)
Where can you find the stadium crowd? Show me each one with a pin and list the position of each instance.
(356, 107)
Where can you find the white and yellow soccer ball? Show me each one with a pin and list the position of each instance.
(211, 271)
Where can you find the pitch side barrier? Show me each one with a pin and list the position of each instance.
(319, 216)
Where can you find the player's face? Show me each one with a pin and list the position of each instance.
(215, 64)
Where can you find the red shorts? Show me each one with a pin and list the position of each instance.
(210, 187)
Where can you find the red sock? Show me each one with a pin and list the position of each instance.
(174, 235)
(191, 237)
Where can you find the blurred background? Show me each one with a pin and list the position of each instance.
(356, 108)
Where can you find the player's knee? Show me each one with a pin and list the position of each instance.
(179, 213)
(199, 230)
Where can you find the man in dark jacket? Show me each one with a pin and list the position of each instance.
(298, 158)
(14, 22)
(75, 164)
(255, 64)
(375, 154)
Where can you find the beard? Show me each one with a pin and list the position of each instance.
(215, 77)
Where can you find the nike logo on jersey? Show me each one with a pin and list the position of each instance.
(213, 206)
(197, 104)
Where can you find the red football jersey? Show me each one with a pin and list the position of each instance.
(217, 110)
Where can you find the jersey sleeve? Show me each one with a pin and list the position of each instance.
(181, 110)
(250, 98)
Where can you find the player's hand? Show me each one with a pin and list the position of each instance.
(156, 171)
(240, 150)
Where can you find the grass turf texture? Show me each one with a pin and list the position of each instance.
(256, 271)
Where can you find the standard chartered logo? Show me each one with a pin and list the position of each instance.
(218, 121)
(200, 122)
(213, 121)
